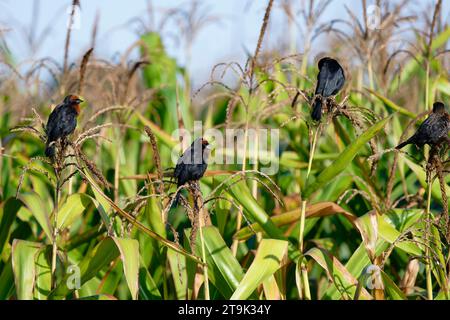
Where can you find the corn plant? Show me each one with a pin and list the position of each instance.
(345, 216)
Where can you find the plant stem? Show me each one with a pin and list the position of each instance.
(370, 73)
(70, 184)
(302, 226)
(259, 235)
(117, 170)
(305, 290)
(312, 152)
(55, 229)
(235, 244)
(306, 294)
(427, 85)
(69, 32)
(199, 213)
(427, 243)
(205, 266)
(305, 282)
(255, 166)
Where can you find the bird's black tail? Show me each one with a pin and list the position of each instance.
(316, 113)
(50, 150)
(403, 144)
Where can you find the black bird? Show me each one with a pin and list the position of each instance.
(433, 130)
(330, 81)
(192, 164)
(62, 122)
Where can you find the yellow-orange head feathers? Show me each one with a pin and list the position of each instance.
(73, 101)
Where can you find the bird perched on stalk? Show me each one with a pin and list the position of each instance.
(330, 81)
(433, 131)
(62, 122)
(192, 164)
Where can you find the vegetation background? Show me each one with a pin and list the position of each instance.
(345, 217)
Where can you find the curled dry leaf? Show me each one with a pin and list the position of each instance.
(318, 210)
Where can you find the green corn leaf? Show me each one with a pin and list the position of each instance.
(253, 211)
(72, 209)
(345, 158)
(224, 271)
(401, 220)
(415, 66)
(392, 290)
(100, 257)
(422, 177)
(129, 253)
(392, 105)
(43, 274)
(6, 281)
(268, 260)
(177, 265)
(9, 210)
(24, 267)
(342, 279)
(136, 223)
(94, 261)
(388, 233)
(148, 290)
(37, 207)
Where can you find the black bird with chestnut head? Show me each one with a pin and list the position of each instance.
(62, 122)
(330, 81)
(191, 166)
(433, 131)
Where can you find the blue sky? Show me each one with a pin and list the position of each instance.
(222, 41)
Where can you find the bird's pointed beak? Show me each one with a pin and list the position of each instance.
(79, 101)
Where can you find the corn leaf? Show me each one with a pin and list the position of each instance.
(268, 260)
(345, 158)
(129, 253)
(72, 209)
(224, 271)
(9, 213)
(24, 267)
(37, 207)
